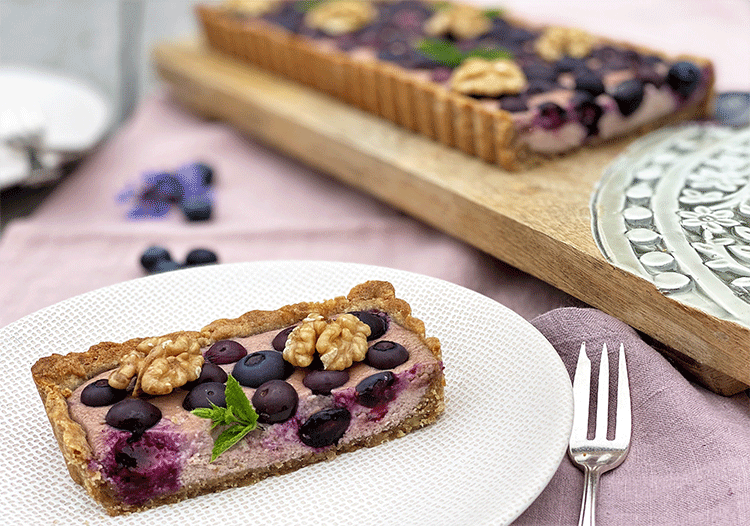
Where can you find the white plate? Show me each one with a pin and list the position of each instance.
(509, 405)
(75, 114)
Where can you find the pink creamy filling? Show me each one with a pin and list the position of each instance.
(175, 453)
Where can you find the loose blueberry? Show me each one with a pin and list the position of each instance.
(325, 427)
(205, 173)
(197, 208)
(375, 389)
(683, 77)
(204, 395)
(169, 188)
(153, 255)
(259, 367)
(376, 320)
(322, 382)
(134, 415)
(200, 256)
(386, 355)
(100, 393)
(225, 351)
(165, 266)
(628, 95)
(210, 372)
(275, 401)
(279, 341)
(590, 82)
(551, 116)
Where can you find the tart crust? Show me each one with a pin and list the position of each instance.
(391, 92)
(57, 376)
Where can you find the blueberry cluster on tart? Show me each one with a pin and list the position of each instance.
(157, 420)
(494, 86)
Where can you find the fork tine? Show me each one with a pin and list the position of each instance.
(624, 418)
(581, 387)
(602, 397)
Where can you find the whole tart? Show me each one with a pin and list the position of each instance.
(497, 87)
(144, 422)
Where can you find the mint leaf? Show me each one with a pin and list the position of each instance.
(493, 13)
(441, 51)
(238, 403)
(490, 53)
(306, 5)
(447, 54)
(228, 438)
(239, 415)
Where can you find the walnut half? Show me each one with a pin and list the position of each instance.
(460, 21)
(339, 342)
(343, 342)
(490, 78)
(338, 17)
(558, 41)
(159, 365)
(252, 7)
(300, 344)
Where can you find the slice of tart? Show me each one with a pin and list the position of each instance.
(158, 420)
(497, 87)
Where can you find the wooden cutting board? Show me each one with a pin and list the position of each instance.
(538, 221)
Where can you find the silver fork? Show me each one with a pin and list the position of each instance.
(599, 454)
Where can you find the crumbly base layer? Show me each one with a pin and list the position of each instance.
(394, 93)
(57, 376)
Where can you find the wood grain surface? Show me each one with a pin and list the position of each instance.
(538, 221)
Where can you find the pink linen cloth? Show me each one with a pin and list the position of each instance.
(688, 463)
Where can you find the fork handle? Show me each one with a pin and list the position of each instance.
(590, 489)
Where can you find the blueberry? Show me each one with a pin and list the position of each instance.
(590, 82)
(684, 77)
(325, 427)
(322, 382)
(200, 256)
(551, 116)
(165, 266)
(134, 415)
(628, 95)
(587, 111)
(100, 393)
(153, 255)
(540, 72)
(375, 389)
(386, 355)
(261, 366)
(376, 320)
(275, 401)
(225, 351)
(568, 64)
(513, 104)
(210, 372)
(197, 208)
(279, 341)
(204, 395)
(205, 173)
(536, 86)
(169, 188)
